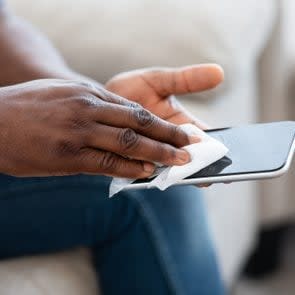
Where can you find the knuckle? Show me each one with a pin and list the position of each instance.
(143, 117)
(108, 96)
(133, 105)
(108, 162)
(75, 119)
(78, 85)
(85, 101)
(86, 84)
(78, 123)
(69, 89)
(92, 86)
(65, 148)
(128, 139)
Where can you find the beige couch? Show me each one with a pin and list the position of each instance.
(101, 38)
(277, 198)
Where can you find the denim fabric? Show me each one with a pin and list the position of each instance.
(143, 242)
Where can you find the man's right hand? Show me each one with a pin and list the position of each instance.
(59, 127)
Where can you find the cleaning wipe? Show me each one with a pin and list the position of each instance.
(203, 154)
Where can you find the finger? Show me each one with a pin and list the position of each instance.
(203, 185)
(173, 111)
(126, 142)
(91, 161)
(184, 80)
(208, 185)
(143, 122)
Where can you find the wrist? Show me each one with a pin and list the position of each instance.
(31, 73)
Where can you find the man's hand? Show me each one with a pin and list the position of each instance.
(154, 89)
(58, 127)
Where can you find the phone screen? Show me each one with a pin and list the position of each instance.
(252, 149)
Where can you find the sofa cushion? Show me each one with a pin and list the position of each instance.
(103, 37)
(56, 274)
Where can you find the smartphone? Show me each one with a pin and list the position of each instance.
(257, 151)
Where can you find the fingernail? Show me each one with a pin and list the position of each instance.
(182, 157)
(148, 168)
(194, 139)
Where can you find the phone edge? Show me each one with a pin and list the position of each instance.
(228, 178)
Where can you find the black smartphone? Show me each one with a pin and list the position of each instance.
(257, 151)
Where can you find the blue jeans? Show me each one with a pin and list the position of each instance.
(143, 242)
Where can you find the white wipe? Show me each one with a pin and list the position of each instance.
(203, 154)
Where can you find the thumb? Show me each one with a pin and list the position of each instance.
(195, 78)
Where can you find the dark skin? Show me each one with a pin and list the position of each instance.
(62, 123)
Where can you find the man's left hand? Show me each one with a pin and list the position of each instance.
(154, 89)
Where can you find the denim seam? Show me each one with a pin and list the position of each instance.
(163, 253)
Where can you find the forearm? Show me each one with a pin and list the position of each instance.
(25, 54)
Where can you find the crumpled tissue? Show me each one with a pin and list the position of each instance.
(203, 154)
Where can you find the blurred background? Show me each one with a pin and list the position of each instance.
(252, 223)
